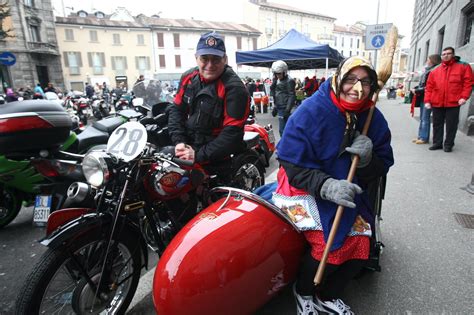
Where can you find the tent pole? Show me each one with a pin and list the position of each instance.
(327, 66)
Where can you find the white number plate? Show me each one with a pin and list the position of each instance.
(42, 209)
(127, 141)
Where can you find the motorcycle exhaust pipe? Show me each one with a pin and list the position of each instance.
(78, 192)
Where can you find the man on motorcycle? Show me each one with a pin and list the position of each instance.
(211, 106)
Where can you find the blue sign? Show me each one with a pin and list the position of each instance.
(378, 41)
(7, 58)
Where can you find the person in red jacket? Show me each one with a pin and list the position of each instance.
(447, 89)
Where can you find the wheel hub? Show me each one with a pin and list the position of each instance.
(85, 301)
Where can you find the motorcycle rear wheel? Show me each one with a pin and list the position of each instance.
(56, 286)
(10, 205)
(248, 172)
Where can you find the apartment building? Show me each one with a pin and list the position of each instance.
(349, 41)
(275, 20)
(32, 41)
(97, 48)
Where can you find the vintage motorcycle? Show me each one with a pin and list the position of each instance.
(237, 254)
(143, 195)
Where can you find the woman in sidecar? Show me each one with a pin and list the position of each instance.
(326, 130)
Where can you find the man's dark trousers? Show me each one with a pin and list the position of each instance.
(450, 115)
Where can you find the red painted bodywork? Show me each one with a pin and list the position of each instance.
(227, 261)
(263, 135)
(63, 216)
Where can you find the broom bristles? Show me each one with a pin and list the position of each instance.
(384, 69)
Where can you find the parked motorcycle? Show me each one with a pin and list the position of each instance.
(38, 155)
(144, 196)
(100, 109)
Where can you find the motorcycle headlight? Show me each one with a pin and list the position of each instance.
(94, 167)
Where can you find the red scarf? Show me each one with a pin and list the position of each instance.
(357, 107)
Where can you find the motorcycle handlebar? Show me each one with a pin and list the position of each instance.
(182, 162)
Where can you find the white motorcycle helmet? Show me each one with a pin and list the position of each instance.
(279, 66)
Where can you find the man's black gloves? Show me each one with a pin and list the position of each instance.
(274, 111)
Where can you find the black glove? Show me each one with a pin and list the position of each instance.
(274, 112)
(286, 114)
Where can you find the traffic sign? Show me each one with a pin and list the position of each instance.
(375, 35)
(7, 58)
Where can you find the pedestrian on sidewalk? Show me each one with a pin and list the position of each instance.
(447, 89)
(325, 130)
(419, 95)
(283, 92)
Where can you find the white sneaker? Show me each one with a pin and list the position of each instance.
(335, 306)
(304, 304)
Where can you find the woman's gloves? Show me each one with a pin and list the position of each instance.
(341, 192)
(362, 146)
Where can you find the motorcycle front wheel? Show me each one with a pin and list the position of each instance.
(74, 279)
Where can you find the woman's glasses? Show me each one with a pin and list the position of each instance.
(366, 82)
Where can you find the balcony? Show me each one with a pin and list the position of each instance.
(42, 48)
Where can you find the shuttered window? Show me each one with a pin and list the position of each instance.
(177, 61)
(162, 61)
(161, 42)
(176, 40)
(73, 61)
(96, 62)
(239, 42)
(119, 65)
(142, 63)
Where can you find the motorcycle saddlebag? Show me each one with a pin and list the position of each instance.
(32, 125)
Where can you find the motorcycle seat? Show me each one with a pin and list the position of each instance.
(251, 139)
(108, 124)
(90, 137)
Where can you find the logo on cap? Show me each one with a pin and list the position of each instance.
(211, 41)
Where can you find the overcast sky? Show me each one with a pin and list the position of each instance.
(399, 12)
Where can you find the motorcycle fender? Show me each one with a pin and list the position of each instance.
(86, 223)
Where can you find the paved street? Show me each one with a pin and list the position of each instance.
(427, 261)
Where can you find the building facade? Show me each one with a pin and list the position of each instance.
(438, 24)
(99, 48)
(32, 40)
(349, 41)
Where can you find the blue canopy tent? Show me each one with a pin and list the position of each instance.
(297, 50)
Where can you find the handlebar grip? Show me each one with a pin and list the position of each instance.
(182, 162)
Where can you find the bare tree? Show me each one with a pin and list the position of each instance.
(4, 13)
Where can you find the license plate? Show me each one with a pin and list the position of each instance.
(42, 209)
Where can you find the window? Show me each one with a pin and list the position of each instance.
(418, 58)
(440, 40)
(160, 40)
(35, 33)
(162, 61)
(177, 61)
(96, 62)
(335, 40)
(69, 34)
(119, 65)
(468, 16)
(342, 41)
(140, 40)
(358, 43)
(93, 36)
(254, 43)
(350, 53)
(30, 3)
(176, 40)
(342, 52)
(142, 63)
(116, 39)
(427, 49)
(239, 42)
(73, 61)
(351, 42)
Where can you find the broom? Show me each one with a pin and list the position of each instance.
(383, 72)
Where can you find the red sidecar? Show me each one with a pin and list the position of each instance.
(230, 259)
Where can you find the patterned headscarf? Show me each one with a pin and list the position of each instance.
(346, 66)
